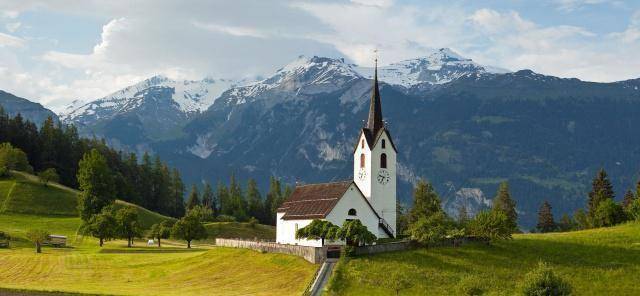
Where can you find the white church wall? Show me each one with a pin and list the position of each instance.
(384, 197)
(286, 232)
(352, 199)
(365, 183)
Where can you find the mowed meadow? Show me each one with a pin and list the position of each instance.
(84, 267)
(604, 261)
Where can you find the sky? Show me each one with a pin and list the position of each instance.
(57, 51)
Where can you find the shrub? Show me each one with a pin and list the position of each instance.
(491, 225)
(226, 218)
(608, 213)
(431, 229)
(542, 281)
(48, 175)
(14, 158)
(252, 222)
(633, 211)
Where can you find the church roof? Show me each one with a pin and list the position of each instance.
(313, 201)
(374, 121)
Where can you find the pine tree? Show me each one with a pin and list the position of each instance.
(601, 190)
(177, 194)
(194, 198)
(207, 198)
(238, 202)
(96, 184)
(545, 218)
(426, 202)
(638, 189)
(254, 200)
(273, 201)
(222, 194)
(628, 199)
(505, 204)
(566, 224)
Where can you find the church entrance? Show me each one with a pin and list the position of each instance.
(333, 252)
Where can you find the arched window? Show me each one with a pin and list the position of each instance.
(352, 212)
(383, 161)
(362, 144)
(384, 144)
(362, 160)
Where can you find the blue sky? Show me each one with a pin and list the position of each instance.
(58, 51)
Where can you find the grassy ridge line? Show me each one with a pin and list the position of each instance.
(602, 261)
(23, 292)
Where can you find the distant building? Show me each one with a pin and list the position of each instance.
(370, 197)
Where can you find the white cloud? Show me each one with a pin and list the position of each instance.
(11, 41)
(12, 27)
(231, 30)
(244, 37)
(571, 5)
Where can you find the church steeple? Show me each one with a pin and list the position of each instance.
(374, 122)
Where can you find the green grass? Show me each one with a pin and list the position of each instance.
(596, 262)
(24, 195)
(83, 267)
(240, 230)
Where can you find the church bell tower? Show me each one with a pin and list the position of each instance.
(374, 161)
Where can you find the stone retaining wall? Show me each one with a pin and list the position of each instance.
(383, 248)
(311, 254)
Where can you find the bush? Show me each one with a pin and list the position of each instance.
(14, 158)
(491, 225)
(608, 213)
(252, 222)
(470, 286)
(542, 281)
(226, 218)
(48, 175)
(431, 229)
(633, 211)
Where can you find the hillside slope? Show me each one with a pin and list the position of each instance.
(602, 261)
(29, 110)
(24, 194)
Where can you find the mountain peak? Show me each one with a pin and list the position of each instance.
(436, 67)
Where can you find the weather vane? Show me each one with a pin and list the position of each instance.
(375, 52)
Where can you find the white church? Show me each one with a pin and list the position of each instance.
(370, 197)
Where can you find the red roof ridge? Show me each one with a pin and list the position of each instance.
(325, 183)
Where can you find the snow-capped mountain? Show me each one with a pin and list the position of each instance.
(303, 76)
(189, 96)
(439, 67)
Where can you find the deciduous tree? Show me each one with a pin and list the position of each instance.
(102, 226)
(160, 231)
(96, 183)
(318, 229)
(189, 228)
(38, 237)
(491, 225)
(48, 175)
(128, 224)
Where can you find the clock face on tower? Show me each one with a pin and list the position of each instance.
(362, 174)
(383, 177)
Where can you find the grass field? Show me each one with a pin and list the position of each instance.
(115, 269)
(83, 267)
(596, 262)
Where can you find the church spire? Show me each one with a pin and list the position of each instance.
(374, 122)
